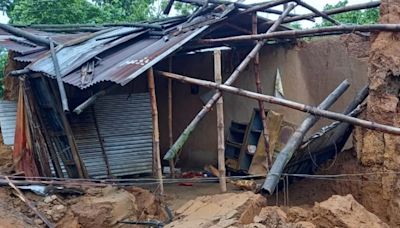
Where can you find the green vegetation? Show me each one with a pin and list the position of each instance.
(3, 62)
(85, 11)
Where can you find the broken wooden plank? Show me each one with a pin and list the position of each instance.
(29, 204)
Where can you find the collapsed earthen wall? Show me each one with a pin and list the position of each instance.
(309, 71)
(377, 151)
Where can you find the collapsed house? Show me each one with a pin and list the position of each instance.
(101, 101)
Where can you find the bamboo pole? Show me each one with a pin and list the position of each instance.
(296, 139)
(91, 100)
(344, 9)
(30, 204)
(189, 129)
(220, 123)
(170, 113)
(156, 133)
(311, 32)
(238, 5)
(29, 36)
(259, 90)
(62, 26)
(317, 12)
(61, 89)
(287, 103)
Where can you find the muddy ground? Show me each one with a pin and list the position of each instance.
(312, 203)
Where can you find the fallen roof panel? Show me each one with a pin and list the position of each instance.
(123, 66)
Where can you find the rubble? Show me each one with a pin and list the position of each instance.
(99, 207)
(248, 210)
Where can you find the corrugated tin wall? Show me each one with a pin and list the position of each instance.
(8, 116)
(125, 128)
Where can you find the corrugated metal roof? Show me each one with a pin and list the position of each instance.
(8, 116)
(72, 57)
(125, 129)
(123, 66)
(142, 48)
(25, 47)
(121, 53)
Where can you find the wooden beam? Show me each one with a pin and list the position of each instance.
(220, 123)
(261, 103)
(170, 115)
(192, 125)
(156, 133)
(287, 103)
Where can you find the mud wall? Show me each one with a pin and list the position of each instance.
(309, 71)
(377, 151)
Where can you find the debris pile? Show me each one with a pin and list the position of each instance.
(249, 210)
(98, 207)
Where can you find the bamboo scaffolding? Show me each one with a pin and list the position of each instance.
(220, 123)
(156, 133)
(259, 90)
(30, 204)
(61, 89)
(296, 139)
(335, 30)
(287, 103)
(172, 152)
(344, 9)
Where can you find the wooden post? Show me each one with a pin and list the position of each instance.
(156, 133)
(170, 133)
(261, 103)
(220, 123)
